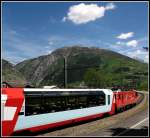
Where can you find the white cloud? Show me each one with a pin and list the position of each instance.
(64, 19)
(49, 51)
(84, 13)
(120, 43)
(132, 43)
(134, 54)
(110, 6)
(146, 58)
(138, 51)
(125, 35)
(139, 54)
(13, 57)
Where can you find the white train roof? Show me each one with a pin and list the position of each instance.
(106, 91)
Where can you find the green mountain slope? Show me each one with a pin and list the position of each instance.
(11, 75)
(113, 67)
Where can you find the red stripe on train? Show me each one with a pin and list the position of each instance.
(14, 99)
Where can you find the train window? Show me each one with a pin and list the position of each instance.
(92, 101)
(32, 105)
(71, 102)
(96, 100)
(108, 99)
(63, 103)
(102, 99)
(51, 104)
(82, 101)
(44, 102)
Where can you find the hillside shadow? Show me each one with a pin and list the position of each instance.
(129, 131)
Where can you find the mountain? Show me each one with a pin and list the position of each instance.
(49, 69)
(11, 75)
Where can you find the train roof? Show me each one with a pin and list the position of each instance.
(42, 89)
(106, 91)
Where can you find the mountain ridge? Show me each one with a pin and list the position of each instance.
(49, 69)
(11, 75)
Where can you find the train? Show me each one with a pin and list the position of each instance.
(37, 109)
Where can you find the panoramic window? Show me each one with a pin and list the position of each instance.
(55, 101)
(33, 105)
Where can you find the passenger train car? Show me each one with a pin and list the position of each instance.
(38, 109)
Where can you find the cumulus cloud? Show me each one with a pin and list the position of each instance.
(139, 54)
(84, 13)
(132, 43)
(125, 35)
(64, 19)
(132, 54)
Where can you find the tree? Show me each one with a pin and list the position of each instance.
(93, 78)
(143, 85)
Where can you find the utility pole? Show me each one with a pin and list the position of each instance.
(121, 79)
(65, 72)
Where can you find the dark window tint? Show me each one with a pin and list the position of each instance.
(38, 103)
(33, 105)
(82, 101)
(108, 99)
(51, 104)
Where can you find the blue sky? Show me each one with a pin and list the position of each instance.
(32, 29)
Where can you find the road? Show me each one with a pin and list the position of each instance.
(136, 125)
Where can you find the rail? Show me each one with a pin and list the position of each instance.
(144, 92)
